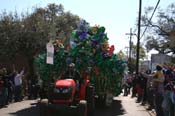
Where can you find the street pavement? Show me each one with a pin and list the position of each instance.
(122, 106)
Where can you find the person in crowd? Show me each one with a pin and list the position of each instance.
(168, 105)
(129, 81)
(33, 89)
(36, 87)
(24, 87)
(2, 97)
(5, 83)
(139, 86)
(40, 86)
(158, 83)
(166, 95)
(18, 85)
(10, 77)
(144, 88)
(134, 89)
(125, 84)
(150, 91)
(72, 73)
(172, 108)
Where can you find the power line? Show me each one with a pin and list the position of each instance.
(150, 18)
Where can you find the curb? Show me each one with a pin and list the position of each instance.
(151, 113)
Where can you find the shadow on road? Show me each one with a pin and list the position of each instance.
(31, 111)
(115, 110)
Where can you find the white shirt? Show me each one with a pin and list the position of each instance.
(18, 78)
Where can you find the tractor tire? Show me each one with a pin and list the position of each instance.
(105, 100)
(82, 108)
(90, 100)
(43, 108)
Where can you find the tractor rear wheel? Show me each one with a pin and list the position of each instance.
(43, 108)
(90, 100)
(108, 99)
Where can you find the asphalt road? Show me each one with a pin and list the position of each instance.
(122, 106)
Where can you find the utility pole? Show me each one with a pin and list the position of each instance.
(130, 46)
(130, 41)
(138, 38)
(127, 51)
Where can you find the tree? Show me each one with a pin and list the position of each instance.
(158, 37)
(9, 26)
(43, 25)
(121, 55)
(29, 33)
(141, 50)
(132, 61)
(65, 24)
(34, 36)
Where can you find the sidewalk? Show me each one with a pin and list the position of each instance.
(132, 108)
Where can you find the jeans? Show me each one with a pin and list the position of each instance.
(158, 104)
(3, 96)
(18, 90)
(166, 103)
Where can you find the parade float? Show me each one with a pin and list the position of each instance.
(93, 57)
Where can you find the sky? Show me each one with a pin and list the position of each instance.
(117, 16)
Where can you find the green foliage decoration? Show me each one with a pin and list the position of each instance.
(89, 49)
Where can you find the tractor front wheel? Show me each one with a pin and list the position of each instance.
(82, 108)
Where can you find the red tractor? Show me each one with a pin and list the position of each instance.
(68, 94)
